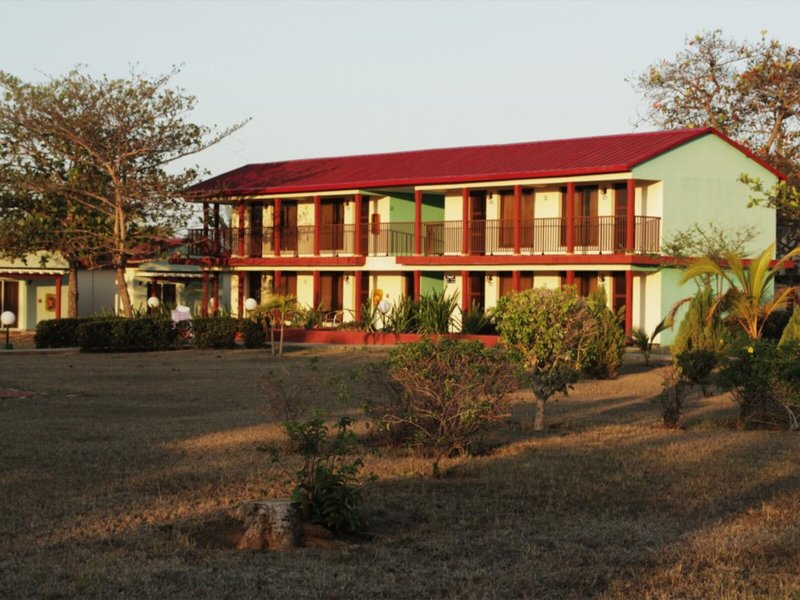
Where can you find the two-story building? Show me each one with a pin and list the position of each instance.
(478, 222)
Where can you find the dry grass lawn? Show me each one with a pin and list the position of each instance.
(117, 475)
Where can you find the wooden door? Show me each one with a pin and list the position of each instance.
(256, 237)
(477, 222)
(289, 225)
(477, 289)
(331, 224)
(364, 227)
(9, 298)
(331, 291)
(620, 216)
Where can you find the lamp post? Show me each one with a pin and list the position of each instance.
(153, 302)
(7, 319)
(250, 305)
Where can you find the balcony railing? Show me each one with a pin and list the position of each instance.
(591, 235)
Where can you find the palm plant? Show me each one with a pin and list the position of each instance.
(279, 307)
(748, 299)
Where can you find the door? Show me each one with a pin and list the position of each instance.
(364, 227)
(620, 216)
(9, 298)
(256, 238)
(477, 222)
(331, 224)
(331, 291)
(585, 211)
(507, 219)
(477, 290)
(289, 226)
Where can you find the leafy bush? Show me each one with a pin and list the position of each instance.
(404, 316)
(253, 332)
(696, 365)
(791, 329)
(643, 343)
(308, 317)
(765, 380)
(550, 330)
(697, 331)
(436, 312)
(477, 320)
(673, 397)
(327, 485)
(441, 395)
(59, 333)
(607, 345)
(127, 335)
(214, 332)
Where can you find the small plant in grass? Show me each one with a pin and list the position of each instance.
(441, 395)
(550, 330)
(327, 486)
(673, 397)
(643, 343)
(696, 365)
(607, 345)
(764, 378)
(403, 317)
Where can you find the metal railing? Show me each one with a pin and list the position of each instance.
(591, 235)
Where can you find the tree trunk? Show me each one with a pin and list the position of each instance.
(538, 423)
(122, 290)
(72, 303)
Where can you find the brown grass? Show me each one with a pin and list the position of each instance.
(117, 476)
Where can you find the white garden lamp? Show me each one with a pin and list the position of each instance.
(153, 302)
(250, 304)
(7, 319)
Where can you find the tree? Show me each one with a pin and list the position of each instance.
(551, 331)
(748, 299)
(100, 148)
(750, 91)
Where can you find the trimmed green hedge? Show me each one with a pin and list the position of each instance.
(215, 332)
(127, 335)
(59, 333)
(253, 333)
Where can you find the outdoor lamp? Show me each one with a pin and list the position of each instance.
(7, 319)
(250, 304)
(153, 302)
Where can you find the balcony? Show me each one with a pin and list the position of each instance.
(591, 235)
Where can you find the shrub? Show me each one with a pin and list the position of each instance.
(776, 324)
(441, 395)
(696, 365)
(404, 315)
(477, 320)
(127, 335)
(607, 345)
(673, 397)
(550, 331)
(791, 330)
(765, 380)
(436, 312)
(214, 332)
(59, 333)
(327, 485)
(253, 333)
(697, 331)
(308, 317)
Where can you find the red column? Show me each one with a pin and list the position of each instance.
(630, 221)
(628, 303)
(570, 218)
(240, 294)
(316, 291)
(204, 305)
(417, 285)
(517, 218)
(417, 222)
(317, 212)
(58, 297)
(570, 279)
(359, 282)
(277, 281)
(276, 227)
(240, 245)
(465, 290)
(465, 221)
(514, 280)
(357, 220)
(216, 294)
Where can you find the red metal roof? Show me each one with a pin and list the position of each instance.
(555, 158)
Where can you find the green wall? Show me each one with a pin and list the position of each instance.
(431, 281)
(700, 185)
(401, 206)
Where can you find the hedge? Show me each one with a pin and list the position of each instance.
(215, 332)
(127, 335)
(59, 333)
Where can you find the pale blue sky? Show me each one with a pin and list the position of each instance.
(333, 78)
